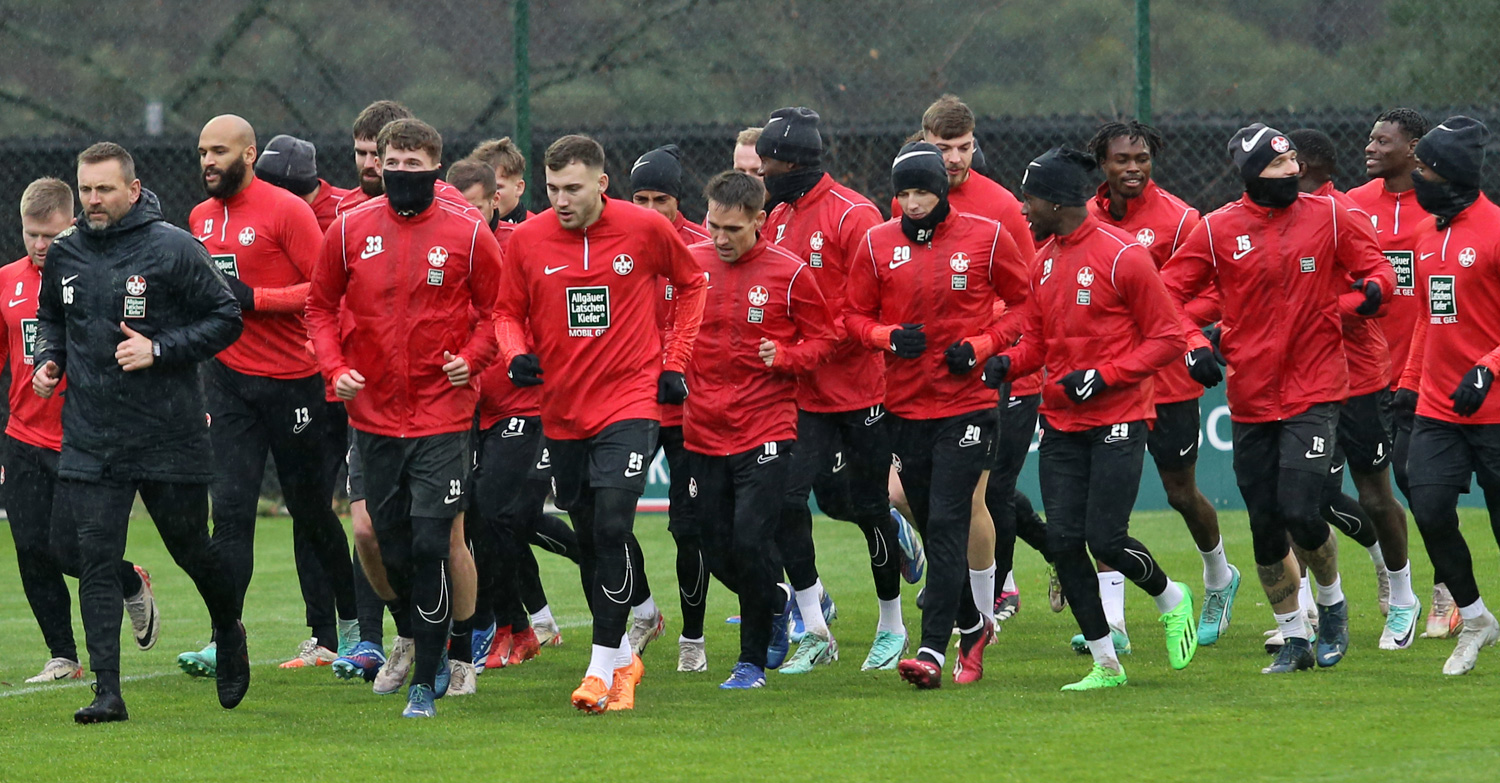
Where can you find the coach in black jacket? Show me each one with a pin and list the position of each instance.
(129, 307)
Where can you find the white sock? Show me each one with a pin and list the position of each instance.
(543, 616)
(1216, 574)
(646, 610)
(982, 585)
(1010, 582)
(1305, 596)
(809, 602)
(937, 656)
(1401, 594)
(1103, 651)
(623, 653)
(1291, 624)
(684, 639)
(1473, 611)
(1169, 598)
(890, 617)
(602, 664)
(1329, 595)
(1375, 556)
(1112, 595)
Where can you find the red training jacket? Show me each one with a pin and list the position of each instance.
(325, 205)
(950, 285)
(33, 420)
(1365, 347)
(691, 234)
(1097, 303)
(1396, 217)
(823, 228)
(737, 402)
(589, 298)
(269, 239)
(1458, 290)
(409, 285)
(1283, 279)
(1160, 222)
(500, 399)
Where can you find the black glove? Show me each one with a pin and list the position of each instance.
(995, 370)
(909, 341)
(525, 370)
(1082, 385)
(961, 359)
(1215, 333)
(1406, 400)
(243, 294)
(1203, 366)
(1472, 390)
(1371, 291)
(671, 388)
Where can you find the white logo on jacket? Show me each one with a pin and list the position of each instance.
(437, 256)
(959, 262)
(759, 296)
(816, 241)
(247, 236)
(624, 264)
(1085, 277)
(1467, 257)
(1145, 236)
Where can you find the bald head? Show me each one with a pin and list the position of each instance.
(226, 153)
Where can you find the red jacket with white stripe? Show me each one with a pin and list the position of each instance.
(499, 399)
(410, 286)
(824, 228)
(1097, 303)
(1283, 278)
(950, 286)
(1396, 217)
(589, 298)
(33, 420)
(691, 234)
(1458, 291)
(1365, 346)
(737, 402)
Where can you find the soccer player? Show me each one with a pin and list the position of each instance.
(45, 551)
(367, 126)
(923, 288)
(410, 270)
(509, 164)
(746, 160)
(1390, 157)
(766, 323)
(291, 164)
(583, 279)
(1101, 325)
(264, 392)
(1364, 433)
(839, 424)
(1160, 222)
(949, 125)
(129, 306)
(656, 183)
(1454, 354)
(1281, 261)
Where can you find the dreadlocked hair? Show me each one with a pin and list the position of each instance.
(1136, 131)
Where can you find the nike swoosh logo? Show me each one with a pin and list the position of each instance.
(1479, 381)
(544, 466)
(1339, 469)
(967, 442)
(895, 264)
(1184, 452)
(439, 611)
(1311, 455)
(1191, 361)
(1014, 401)
(1425, 256)
(1249, 144)
(1238, 254)
(971, 362)
(368, 254)
(625, 590)
(633, 473)
(67, 280)
(297, 429)
(269, 153)
(552, 270)
(1084, 391)
(764, 458)
(1330, 656)
(510, 434)
(15, 302)
(451, 499)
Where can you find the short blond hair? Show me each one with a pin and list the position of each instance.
(748, 137)
(46, 197)
(502, 155)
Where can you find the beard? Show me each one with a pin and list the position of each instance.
(229, 179)
(374, 188)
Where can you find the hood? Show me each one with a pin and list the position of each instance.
(145, 211)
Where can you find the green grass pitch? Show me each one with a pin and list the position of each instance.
(1378, 715)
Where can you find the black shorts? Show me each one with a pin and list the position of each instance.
(250, 414)
(738, 491)
(355, 483)
(1366, 433)
(426, 476)
(1303, 442)
(506, 456)
(617, 457)
(1017, 429)
(1090, 478)
(1173, 442)
(1449, 454)
(962, 440)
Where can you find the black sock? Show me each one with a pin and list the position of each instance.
(327, 636)
(401, 614)
(433, 610)
(461, 641)
(130, 580)
(108, 680)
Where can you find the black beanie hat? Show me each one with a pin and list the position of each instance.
(791, 135)
(978, 163)
(1455, 149)
(1253, 148)
(1061, 175)
(920, 165)
(659, 170)
(289, 163)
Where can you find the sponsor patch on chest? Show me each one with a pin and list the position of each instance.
(588, 310)
(227, 264)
